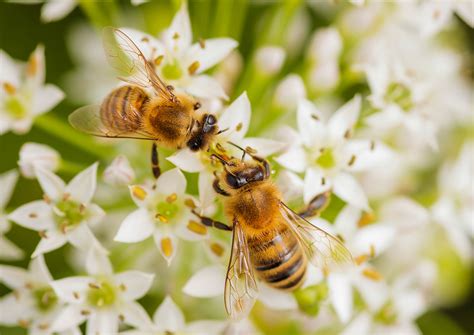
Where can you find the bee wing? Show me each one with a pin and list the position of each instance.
(322, 249)
(240, 285)
(131, 64)
(88, 120)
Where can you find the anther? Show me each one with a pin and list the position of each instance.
(352, 160)
(171, 198)
(193, 67)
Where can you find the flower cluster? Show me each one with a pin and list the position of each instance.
(373, 114)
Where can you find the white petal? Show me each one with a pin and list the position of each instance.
(135, 315)
(290, 185)
(119, 172)
(186, 160)
(46, 98)
(13, 277)
(82, 187)
(103, 321)
(309, 123)
(13, 309)
(206, 87)
(56, 9)
(404, 212)
(172, 181)
(136, 227)
(294, 159)
(346, 221)
(7, 185)
(82, 238)
(263, 146)
(348, 189)
(36, 215)
(315, 183)
(95, 214)
(168, 317)
(179, 35)
(214, 51)
(207, 282)
(36, 154)
(236, 118)
(368, 154)
(205, 327)
(11, 69)
(69, 317)
(72, 289)
(344, 119)
(10, 252)
(98, 263)
(148, 44)
(359, 325)
(269, 59)
(276, 299)
(465, 12)
(136, 284)
(340, 292)
(53, 241)
(376, 236)
(51, 184)
(167, 244)
(36, 76)
(207, 195)
(39, 270)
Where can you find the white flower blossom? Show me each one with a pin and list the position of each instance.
(7, 184)
(34, 155)
(290, 91)
(103, 298)
(64, 214)
(119, 172)
(32, 304)
(23, 94)
(269, 59)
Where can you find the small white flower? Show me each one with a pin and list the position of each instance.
(23, 94)
(32, 304)
(181, 63)
(103, 298)
(65, 212)
(328, 157)
(290, 91)
(269, 59)
(119, 172)
(7, 184)
(164, 213)
(55, 10)
(34, 155)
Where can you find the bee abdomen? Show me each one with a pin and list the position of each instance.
(122, 108)
(278, 259)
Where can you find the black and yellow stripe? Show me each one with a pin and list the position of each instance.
(277, 257)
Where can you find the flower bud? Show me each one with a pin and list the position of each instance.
(309, 298)
(326, 45)
(119, 172)
(34, 155)
(289, 91)
(270, 59)
(324, 77)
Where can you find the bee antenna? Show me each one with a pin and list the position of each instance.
(239, 147)
(222, 160)
(223, 130)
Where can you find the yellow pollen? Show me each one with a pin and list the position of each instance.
(33, 215)
(66, 196)
(372, 251)
(43, 326)
(197, 228)
(29, 286)
(352, 160)
(158, 60)
(366, 219)
(162, 218)
(172, 198)
(323, 181)
(175, 36)
(85, 312)
(46, 199)
(250, 150)
(42, 234)
(193, 67)
(145, 39)
(361, 259)
(32, 66)
(217, 249)
(347, 134)
(167, 246)
(123, 287)
(372, 274)
(93, 285)
(121, 317)
(9, 88)
(138, 192)
(202, 43)
(239, 126)
(24, 323)
(340, 238)
(190, 203)
(372, 145)
(219, 147)
(76, 295)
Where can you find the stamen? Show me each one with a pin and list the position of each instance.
(121, 317)
(158, 60)
(139, 192)
(315, 117)
(24, 323)
(42, 234)
(167, 246)
(372, 251)
(175, 36)
(75, 295)
(190, 203)
(123, 287)
(43, 326)
(66, 196)
(323, 181)
(94, 286)
(9, 88)
(202, 43)
(372, 274)
(29, 286)
(46, 199)
(361, 259)
(239, 126)
(372, 145)
(352, 160)
(196, 227)
(32, 66)
(347, 134)
(217, 249)
(366, 219)
(162, 218)
(193, 67)
(33, 215)
(145, 39)
(85, 312)
(172, 198)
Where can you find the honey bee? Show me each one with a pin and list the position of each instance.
(270, 241)
(146, 108)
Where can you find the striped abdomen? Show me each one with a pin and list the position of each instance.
(122, 108)
(278, 258)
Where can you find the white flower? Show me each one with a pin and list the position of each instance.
(34, 155)
(164, 213)
(119, 172)
(325, 153)
(290, 91)
(181, 63)
(65, 212)
(103, 298)
(32, 304)
(168, 318)
(23, 94)
(269, 59)
(55, 10)
(7, 184)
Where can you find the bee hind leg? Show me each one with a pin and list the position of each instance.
(155, 163)
(212, 223)
(317, 205)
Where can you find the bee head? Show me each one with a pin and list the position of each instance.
(238, 173)
(204, 129)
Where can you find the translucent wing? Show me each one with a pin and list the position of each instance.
(131, 64)
(322, 249)
(240, 285)
(88, 120)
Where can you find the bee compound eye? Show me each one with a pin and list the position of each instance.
(211, 119)
(232, 181)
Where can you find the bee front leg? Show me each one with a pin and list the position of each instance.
(316, 205)
(212, 223)
(217, 187)
(155, 163)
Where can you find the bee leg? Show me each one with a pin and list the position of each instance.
(316, 205)
(218, 189)
(212, 223)
(155, 163)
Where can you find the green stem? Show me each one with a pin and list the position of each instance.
(69, 167)
(101, 13)
(222, 17)
(58, 128)
(239, 15)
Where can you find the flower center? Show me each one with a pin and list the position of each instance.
(101, 295)
(15, 108)
(69, 213)
(309, 298)
(386, 315)
(326, 158)
(400, 94)
(45, 298)
(172, 71)
(167, 210)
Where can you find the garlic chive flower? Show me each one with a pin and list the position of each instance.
(34, 155)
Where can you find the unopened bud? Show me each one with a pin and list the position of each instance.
(326, 45)
(34, 155)
(270, 59)
(119, 172)
(289, 91)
